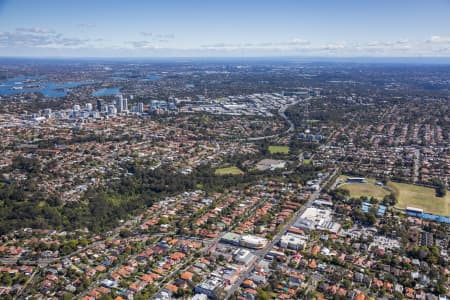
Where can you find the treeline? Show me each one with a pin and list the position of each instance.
(101, 208)
(24, 205)
(79, 139)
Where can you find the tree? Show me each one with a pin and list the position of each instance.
(390, 199)
(347, 283)
(163, 220)
(441, 290)
(262, 295)
(6, 279)
(106, 297)
(441, 189)
(68, 296)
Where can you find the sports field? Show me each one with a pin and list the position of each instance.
(278, 149)
(421, 197)
(368, 189)
(229, 171)
(365, 189)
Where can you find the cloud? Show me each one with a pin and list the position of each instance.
(85, 25)
(439, 39)
(39, 38)
(71, 42)
(287, 44)
(444, 50)
(374, 44)
(224, 45)
(402, 41)
(140, 44)
(158, 36)
(166, 36)
(154, 37)
(34, 30)
(298, 41)
(397, 47)
(333, 46)
(298, 46)
(43, 40)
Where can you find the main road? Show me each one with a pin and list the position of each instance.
(263, 252)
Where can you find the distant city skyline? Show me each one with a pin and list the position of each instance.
(195, 28)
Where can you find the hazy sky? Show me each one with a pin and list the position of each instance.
(157, 28)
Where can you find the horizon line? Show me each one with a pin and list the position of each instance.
(329, 58)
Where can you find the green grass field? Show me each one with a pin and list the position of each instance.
(229, 171)
(421, 197)
(365, 189)
(369, 189)
(278, 149)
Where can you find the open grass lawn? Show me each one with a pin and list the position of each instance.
(421, 197)
(369, 189)
(278, 149)
(229, 171)
(365, 189)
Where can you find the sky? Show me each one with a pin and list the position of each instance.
(228, 28)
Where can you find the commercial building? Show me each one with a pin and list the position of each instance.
(319, 219)
(270, 164)
(253, 242)
(119, 103)
(100, 105)
(244, 257)
(231, 238)
(292, 241)
(249, 241)
(140, 107)
(112, 110)
(210, 287)
(305, 224)
(89, 106)
(125, 104)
